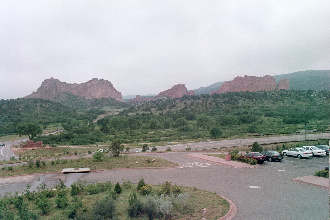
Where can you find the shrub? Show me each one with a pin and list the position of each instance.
(256, 147)
(92, 189)
(176, 189)
(43, 203)
(73, 208)
(166, 188)
(117, 188)
(61, 199)
(104, 209)
(98, 156)
(38, 163)
(127, 185)
(215, 132)
(145, 148)
(146, 190)
(76, 189)
(127, 149)
(30, 163)
(141, 184)
(153, 149)
(10, 168)
(322, 173)
(134, 205)
(182, 204)
(89, 152)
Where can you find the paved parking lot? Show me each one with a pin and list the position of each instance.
(266, 192)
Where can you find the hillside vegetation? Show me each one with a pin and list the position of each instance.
(42, 112)
(302, 80)
(225, 115)
(308, 80)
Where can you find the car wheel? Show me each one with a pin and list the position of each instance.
(299, 156)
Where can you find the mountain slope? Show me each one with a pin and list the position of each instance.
(307, 80)
(302, 80)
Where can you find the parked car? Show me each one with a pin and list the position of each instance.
(2, 145)
(315, 151)
(298, 152)
(324, 147)
(272, 156)
(257, 156)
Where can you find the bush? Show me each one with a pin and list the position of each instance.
(146, 190)
(117, 188)
(73, 208)
(141, 184)
(134, 205)
(104, 209)
(153, 149)
(256, 147)
(145, 148)
(76, 189)
(61, 199)
(43, 203)
(166, 188)
(322, 173)
(38, 163)
(98, 156)
(215, 133)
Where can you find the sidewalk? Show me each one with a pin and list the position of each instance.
(218, 160)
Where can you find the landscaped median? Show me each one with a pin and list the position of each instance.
(95, 163)
(116, 201)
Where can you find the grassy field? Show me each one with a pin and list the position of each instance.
(54, 152)
(11, 137)
(85, 202)
(43, 166)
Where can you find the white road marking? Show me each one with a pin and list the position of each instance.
(254, 187)
(281, 170)
(194, 164)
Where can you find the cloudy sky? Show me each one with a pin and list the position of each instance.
(144, 46)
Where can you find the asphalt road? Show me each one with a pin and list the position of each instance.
(263, 193)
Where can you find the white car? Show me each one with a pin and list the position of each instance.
(315, 151)
(298, 152)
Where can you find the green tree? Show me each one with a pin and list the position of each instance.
(116, 147)
(256, 147)
(30, 129)
(215, 132)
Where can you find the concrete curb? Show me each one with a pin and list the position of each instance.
(306, 181)
(232, 210)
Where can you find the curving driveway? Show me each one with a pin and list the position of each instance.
(264, 193)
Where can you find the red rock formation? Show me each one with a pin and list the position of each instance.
(250, 84)
(283, 84)
(95, 88)
(177, 91)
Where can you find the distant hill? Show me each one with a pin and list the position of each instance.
(208, 89)
(307, 80)
(302, 80)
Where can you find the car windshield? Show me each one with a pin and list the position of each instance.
(274, 152)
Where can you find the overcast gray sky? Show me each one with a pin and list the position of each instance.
(145, 46)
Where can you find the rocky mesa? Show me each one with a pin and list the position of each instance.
(93, 89)
(253, 84)
(177, 91)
